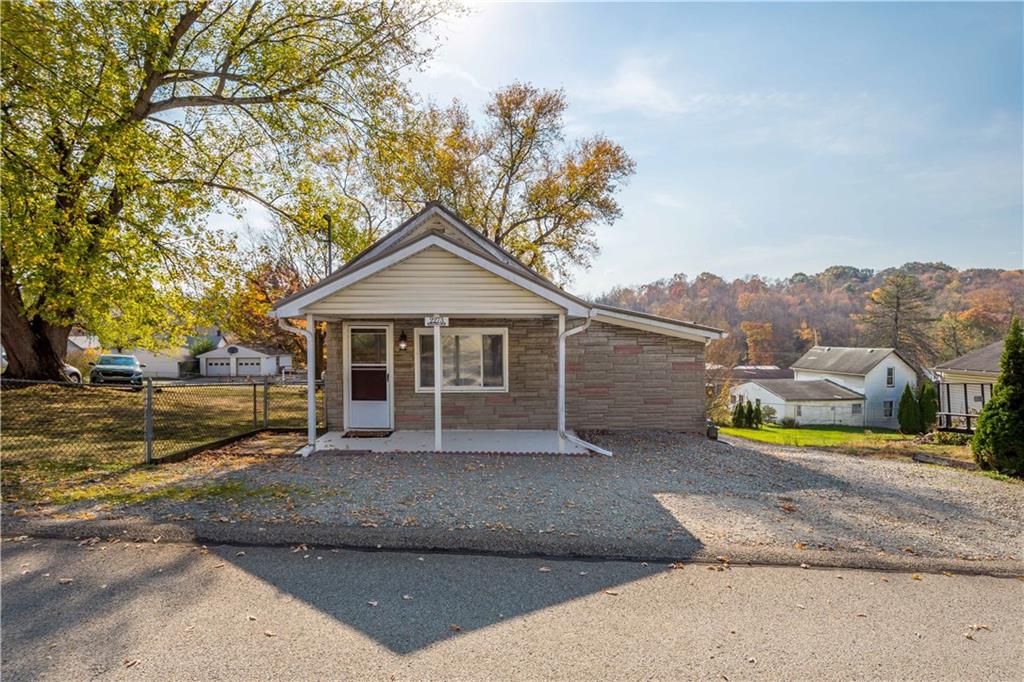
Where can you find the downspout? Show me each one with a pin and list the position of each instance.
(562, 433)
(310, 386)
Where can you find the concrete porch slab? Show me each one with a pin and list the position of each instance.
(493, 441)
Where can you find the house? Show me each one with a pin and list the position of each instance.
(719, 375)
(816, 401)
(236, 360)
(523, 362)
(965, 385)
(167, 363)
(878, 374)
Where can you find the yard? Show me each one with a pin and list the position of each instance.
(59, 435)
(850, 440)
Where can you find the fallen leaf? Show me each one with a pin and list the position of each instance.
(407, 597)
(65, 581)
(978, 626)
(916, 576)
(801, 606)
(239, 553)
(455, 628)
(250, 617)
(678, 564)
(544, 569)
(218, 566)
(268, 633)
(612, 593)
(805, 566)
(947, 574)
(862, 615)
(371, 603)
(131, 663)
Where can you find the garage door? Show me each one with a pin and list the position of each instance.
(218, 368)
(248, 367)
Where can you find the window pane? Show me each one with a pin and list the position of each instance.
(426, 360)
(494, 360)
(369, 346)
(461, 359)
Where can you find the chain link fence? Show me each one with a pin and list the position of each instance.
(113, 425)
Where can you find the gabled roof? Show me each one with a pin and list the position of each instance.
(404, 241)
(982, 361)
(853, 361)
(755, 372)
(819, 389)
(225, 350)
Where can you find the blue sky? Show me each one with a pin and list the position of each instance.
(775, 138)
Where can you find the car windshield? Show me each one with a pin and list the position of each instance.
(119, 360)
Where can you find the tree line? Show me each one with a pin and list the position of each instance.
(931, 311)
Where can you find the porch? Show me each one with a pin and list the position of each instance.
(491, 441)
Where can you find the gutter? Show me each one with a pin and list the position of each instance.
(562, 433)
(310, 386)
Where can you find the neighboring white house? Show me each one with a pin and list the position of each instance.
(879, 374)
(965, 385)
(807, 402)
(236, 360)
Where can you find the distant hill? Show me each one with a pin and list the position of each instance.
(972, 307)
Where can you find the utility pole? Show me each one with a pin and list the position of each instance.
(330, 243)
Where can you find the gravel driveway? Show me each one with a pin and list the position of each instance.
(680, 493)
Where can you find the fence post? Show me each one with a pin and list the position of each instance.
(323, 391)
(149, 420)
(255, 423)
(266, 402)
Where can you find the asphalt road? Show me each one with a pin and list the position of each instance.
(159, 611)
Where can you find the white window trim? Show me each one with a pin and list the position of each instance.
(448, 331)
(890, 407)
(890, 377)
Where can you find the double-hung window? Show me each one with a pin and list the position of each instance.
(472, 360)
(890, 377)
(887, 408)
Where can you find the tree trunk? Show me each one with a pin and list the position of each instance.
(35, 348)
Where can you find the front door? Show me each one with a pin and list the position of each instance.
(368, 385)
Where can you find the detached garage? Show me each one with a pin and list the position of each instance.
(234, 360)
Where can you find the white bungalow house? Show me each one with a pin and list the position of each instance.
(818, 401)
(878, 374)
(236, 360)
(965, 385)
(523, 363)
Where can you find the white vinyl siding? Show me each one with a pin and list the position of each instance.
(433, 281)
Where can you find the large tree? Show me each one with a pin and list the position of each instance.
(513, 176)
(125, 124)
(897, 315)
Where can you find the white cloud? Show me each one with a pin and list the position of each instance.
(439, 68)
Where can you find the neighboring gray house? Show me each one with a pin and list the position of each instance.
(166, 363)
(522, 361)
(878, 374)
(965, 385)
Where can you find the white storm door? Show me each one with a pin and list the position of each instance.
(368, 380)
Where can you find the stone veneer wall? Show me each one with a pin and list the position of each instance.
(616, 379)
(619, 378)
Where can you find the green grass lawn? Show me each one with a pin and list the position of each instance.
(850, 439)
(55, 434)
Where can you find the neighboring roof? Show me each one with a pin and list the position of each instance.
(982, 361)
(819, 389)
(224, 350)
(752, 372)
(85, 341)
(855, 361)
(391, 248)
(213, 334)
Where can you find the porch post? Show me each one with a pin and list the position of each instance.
(311, 382)
(437, 388)
(561, 383)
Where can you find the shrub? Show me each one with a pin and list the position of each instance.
(998, 442)
(200, 346)
(952, 438)
(927, 405)
(758, 417)
(748, 416)
(909, 414)
(788, 423)
(768, 413)
(738, 414)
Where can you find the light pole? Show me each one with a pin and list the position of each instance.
(330, 243)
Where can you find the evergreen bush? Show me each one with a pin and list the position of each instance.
(998, 442)
(909, 414)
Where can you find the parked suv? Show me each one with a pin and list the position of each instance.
(117, 369)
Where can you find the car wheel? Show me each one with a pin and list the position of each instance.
(75, 378)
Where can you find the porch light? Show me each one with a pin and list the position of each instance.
(403, 341)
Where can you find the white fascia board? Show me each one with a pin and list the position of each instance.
(296, 308)
(676, 329)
